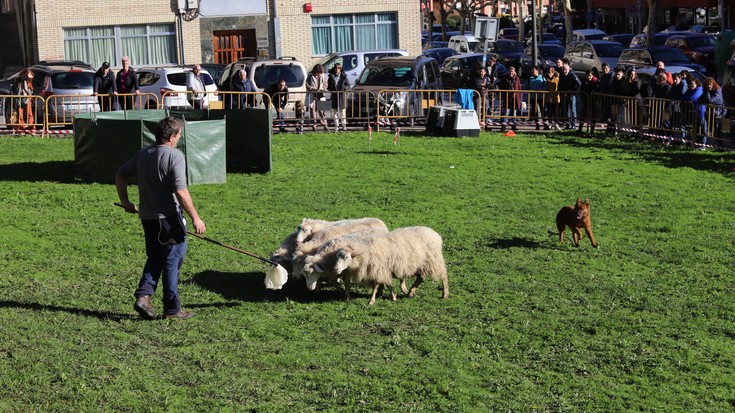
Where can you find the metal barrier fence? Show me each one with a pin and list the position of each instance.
(23, 114)
(127, 101)
(668, 121)
(536, 109)
(693, 124)
(60, 109)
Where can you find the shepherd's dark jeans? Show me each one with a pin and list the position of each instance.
(163, 258)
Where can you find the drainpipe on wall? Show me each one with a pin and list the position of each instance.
(276, 29)
(181, 37)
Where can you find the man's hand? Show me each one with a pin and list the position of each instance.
(199, 226)
(129, 207)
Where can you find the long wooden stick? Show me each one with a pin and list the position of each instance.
(221, 244)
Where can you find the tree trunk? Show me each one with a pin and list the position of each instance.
(651, 25)
(521, 4)
(568, 19)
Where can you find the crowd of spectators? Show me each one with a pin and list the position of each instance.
(685, 104)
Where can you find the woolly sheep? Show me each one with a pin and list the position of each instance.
(309, 227)
(402, 253)
(331, 232)
(284, 253)
(320, 265)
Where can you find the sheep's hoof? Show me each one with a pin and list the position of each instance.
(412, 293)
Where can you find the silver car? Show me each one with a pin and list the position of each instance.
(586, 54)
(67, 85)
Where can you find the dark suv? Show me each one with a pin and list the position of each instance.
(647, 57)
(400, 76)
(58, 77)
(700, 48)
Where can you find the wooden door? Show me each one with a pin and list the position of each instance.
(231, 45)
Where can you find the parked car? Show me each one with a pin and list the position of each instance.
(509, 33)
(265, 72)
(588, 34)
(545, 38)
(508, 52)
(434, 45)
(645, 74)
(648, 57)
(699, 28)
(586, 54)
(547, 55)
(214, 69)
(60, 78)
(463, 43)
(169, 85)
(559, 30)
(659, 39)
(456, 70)
(401, 75)
(699, 48)
(439, 54)
(354, 61)
(623, 38)
(435, 37)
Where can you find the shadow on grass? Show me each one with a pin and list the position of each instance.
(381, 152)
(250, 287)
(102, 315)
(514, 242)
(55, 171)
(670, 156)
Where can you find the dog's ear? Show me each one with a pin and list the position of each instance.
(586, 201)
(578, 200)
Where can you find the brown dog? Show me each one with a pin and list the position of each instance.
(576, 217)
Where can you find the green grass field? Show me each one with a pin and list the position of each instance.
(645, 323)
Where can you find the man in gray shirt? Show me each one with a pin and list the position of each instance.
(161, 173)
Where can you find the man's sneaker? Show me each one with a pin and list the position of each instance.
(144, 308)
(181, 315)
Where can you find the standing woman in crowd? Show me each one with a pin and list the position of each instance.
(316, 86)
(590, 85)
(511, 100)
(127, 83)
(617, 106)
(536, 100)
(675, 96)
(480, 83)
(24, 104)
(552, 103)
(338, 83)
(691, 97)
(710, 109)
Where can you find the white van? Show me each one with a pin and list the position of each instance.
(463, 44)
(354, 61)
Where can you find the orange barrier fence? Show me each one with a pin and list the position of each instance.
(694, 124)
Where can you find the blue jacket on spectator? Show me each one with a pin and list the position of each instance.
(537, 83)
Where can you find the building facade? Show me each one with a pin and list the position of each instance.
(170, 32)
